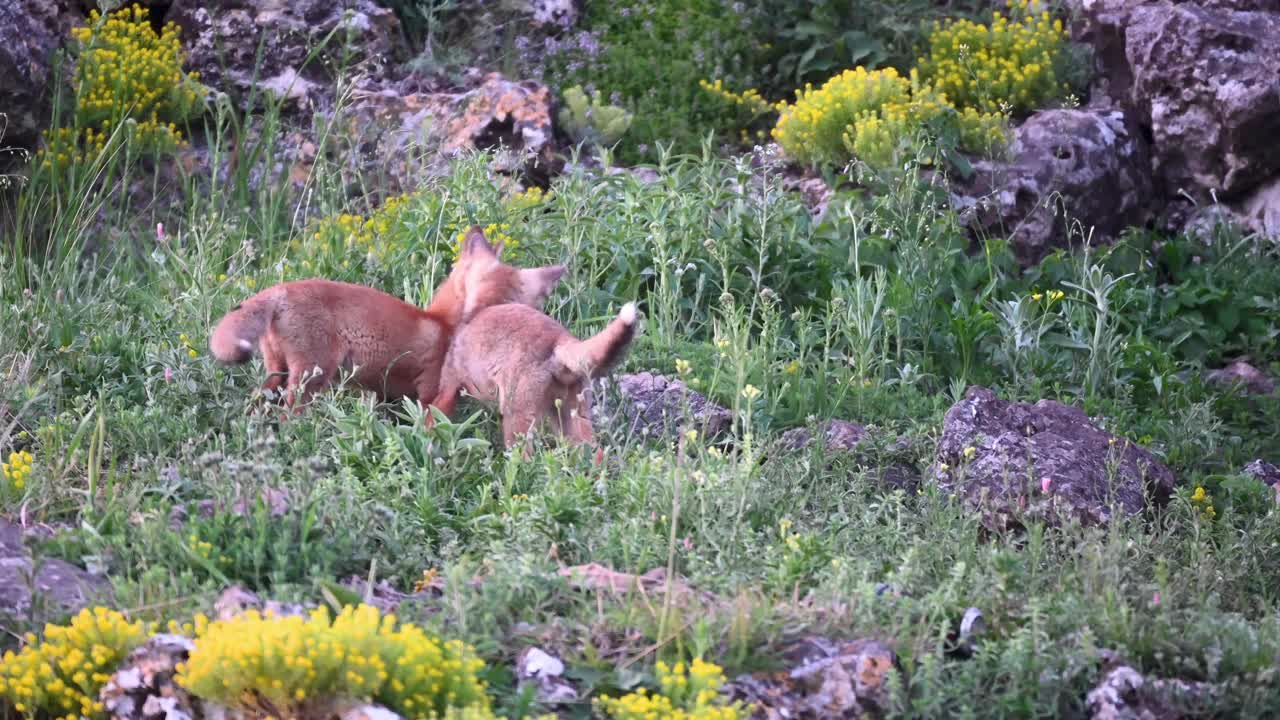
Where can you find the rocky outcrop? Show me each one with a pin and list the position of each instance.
(1202, 78)
(1072, 176)
(30, 31)
(290, 49)
(1207, 80)
(1011, 460)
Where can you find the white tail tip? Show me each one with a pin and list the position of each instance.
(628, 314)
(244, 344)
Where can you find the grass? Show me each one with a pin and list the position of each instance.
(878, 314)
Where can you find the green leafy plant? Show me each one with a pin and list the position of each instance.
(591, 120)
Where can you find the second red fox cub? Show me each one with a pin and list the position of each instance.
(532, 367)
(394, 348)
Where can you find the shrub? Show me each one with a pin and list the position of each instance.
(591, 119)
(404, 229)
(746, 109)
(61, 675)
(125, 71)
(691, 695)
(284, 665)
(1014, 65)
(650, 54)
(867, 115)
(811, 40)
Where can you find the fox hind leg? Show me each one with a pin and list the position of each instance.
(305, 380)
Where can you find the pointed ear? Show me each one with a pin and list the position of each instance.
(539, 282)
(476, 242)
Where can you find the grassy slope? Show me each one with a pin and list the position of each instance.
(792, 543)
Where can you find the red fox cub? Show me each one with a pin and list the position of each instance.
(532, 367)
(393, 348)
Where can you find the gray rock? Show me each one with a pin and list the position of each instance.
(1263, 471)
(829, 680)
(1206, 81)
(545, 672)
(1069, 171)
(30, 30)
(552, 13)
(837, 436)
(1240, 374)
(235, 600)
(1202, 77)
(61, 586)
(1046, 459)
(1125, 694)
(653, 406)
(143, 687)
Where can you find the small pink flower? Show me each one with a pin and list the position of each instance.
(168, 374)
(688, 544)
(1155, 598)
(160, 232)
(653, 516)
(1046, 484)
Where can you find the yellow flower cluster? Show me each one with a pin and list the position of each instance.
(280, 664)
(1008, 66)
(866, 114)
(684, 695)
(186, 343)
(1053, 296)
(17, 469)
(60, 676)
(530, 198)
(126, 72)
(1203, 503)
(381, 235)
(749, 100)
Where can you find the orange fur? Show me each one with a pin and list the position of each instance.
(391, 347)
(532, 367)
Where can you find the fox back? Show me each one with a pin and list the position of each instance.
(389, 346)
(533, 367)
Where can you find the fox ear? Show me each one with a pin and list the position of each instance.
(539, 282)
(476, 242)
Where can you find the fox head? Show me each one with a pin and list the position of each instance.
(480, 279)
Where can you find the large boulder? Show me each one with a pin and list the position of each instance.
(1068, 170)
(1208, 79)
(1204, 79)
(247, 47)
(30, 31)
(1012, 459)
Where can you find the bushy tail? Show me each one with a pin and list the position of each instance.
(596, 355)
(238, 331)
